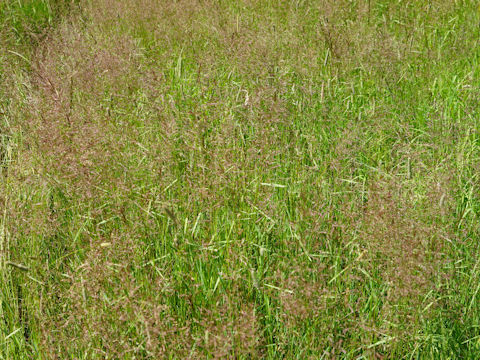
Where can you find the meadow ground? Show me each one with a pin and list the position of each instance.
(239, 179)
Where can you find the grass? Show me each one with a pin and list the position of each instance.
(239, 179)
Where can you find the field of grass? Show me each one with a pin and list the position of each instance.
(239, 179)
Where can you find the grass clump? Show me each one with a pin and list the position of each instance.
(26, 21)
(239, 179)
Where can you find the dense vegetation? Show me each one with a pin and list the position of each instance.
(239, 179)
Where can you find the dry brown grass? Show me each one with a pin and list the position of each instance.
(70, 76)
(406, 246)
